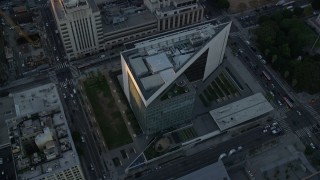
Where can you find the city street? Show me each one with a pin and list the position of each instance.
(188, 164)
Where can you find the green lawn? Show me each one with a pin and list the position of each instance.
(108, 116)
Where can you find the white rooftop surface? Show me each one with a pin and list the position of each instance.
(158, 62)
(152, 81)
(205, 30)
(182, 59)
(167, 74)
(35, 100)
(215, 171)
(138, 66)
(241, 111)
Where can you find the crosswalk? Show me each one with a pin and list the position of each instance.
(313, 112)
(66, 82)
(306, 131)
(284, 125)
(283, 109)
(62, 66)
(53, 77)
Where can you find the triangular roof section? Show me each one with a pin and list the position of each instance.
(157, 62)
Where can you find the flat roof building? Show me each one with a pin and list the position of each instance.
(159, 73)
(40, 138)
(241, 111)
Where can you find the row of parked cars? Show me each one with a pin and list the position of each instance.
(274, 128)
(231, 152)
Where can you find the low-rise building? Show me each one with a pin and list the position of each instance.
(40, 139)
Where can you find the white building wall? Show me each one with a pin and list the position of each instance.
(216, 51)
(216, 45)
(79, 31)
(124, 68)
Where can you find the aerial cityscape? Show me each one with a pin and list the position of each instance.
(159, 89)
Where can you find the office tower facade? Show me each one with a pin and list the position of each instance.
(79, 25)
(160, 73)
(175, 13)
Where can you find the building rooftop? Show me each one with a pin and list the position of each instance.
(215, 171)
(114, 23)
(63, 7)
(36, 100)
(162, 56)
(241, 111)
(40, 138)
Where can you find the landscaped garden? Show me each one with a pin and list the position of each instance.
(106, 112)
(222, 87)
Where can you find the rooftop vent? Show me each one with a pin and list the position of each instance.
(181, 83)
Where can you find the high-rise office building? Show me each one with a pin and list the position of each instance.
(79, 25)
(175, 13)
(161, 73)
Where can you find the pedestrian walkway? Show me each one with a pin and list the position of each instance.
(306, 131)
(284, 125)
(53, 77)
(312, 111)
(61, 66)
(283, 109)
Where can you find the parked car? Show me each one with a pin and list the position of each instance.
(223, 155)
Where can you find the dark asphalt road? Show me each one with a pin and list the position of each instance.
(185, 165)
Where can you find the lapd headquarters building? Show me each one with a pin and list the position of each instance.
(161, 73)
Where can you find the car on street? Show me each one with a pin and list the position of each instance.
(259, 56)
(279, 102)
(312, 146)
(102, 56)
(82, 139)
(223, 155)
(232, 151)
(91, 167)
(299, 113)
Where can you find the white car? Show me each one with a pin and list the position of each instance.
(102, 56)
(265, 131)
(263, 61)
(82, 139)
(259, 56)
(299, 113)
(222, 156)
(92, 167)
(279, 102)
(312, 146)
(271, 93)
(232, 151)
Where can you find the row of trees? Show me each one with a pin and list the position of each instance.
(285, 40)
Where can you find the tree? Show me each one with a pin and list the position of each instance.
(254, 3)
(315, 4)
(308, 150)
(223, 4)
(286, 74)
(285, 50)
(274, 58)
(266, 52)
(298, 11)
(266, 34)
(242, 6)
